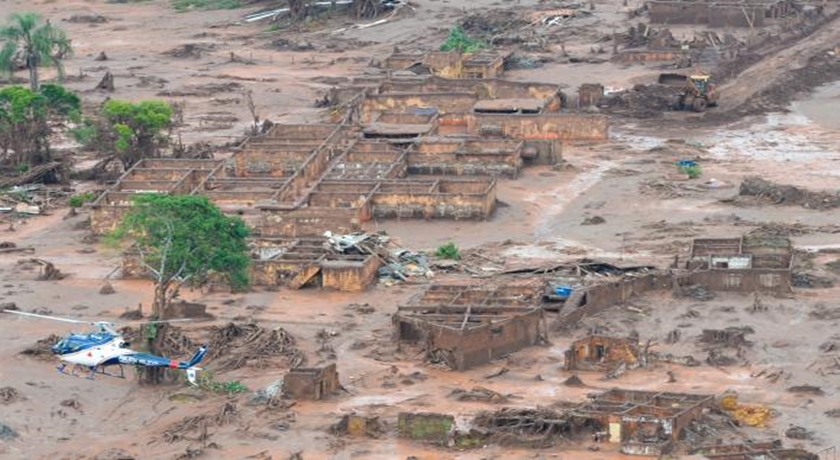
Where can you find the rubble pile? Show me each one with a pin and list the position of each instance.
(642, 101)
(195, 428)
(788, 194)
(9, 395)
(42, 348)
(235, 346)
(531, 427)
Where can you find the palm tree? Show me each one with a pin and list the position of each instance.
(35, 42)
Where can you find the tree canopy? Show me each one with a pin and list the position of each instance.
(24, 121)
(129, 130)
(29, 42)
(183, 239)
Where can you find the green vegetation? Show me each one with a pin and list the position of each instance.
(458, 40)
(693, 171)
(207, 382)
(449, 251)
(76, 201)
(24, 122)
(186, 5)
(183, 239)
(37, 43)
(131, 130)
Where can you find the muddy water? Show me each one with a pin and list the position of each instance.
(822, 106)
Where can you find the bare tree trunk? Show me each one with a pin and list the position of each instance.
(32, 65)
(155, 375)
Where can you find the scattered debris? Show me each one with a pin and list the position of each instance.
(195, 428)
(47, 269)
(107, 289)
(697, 292)
(806, 389)
(106, 83)
(72, 403)
(42, 348)
(574, 381)
(480, 394)
(6, 432)
(594, 220)
(533, 428)
(788, 194)
(798, 432)
(9, 395)
(190, 50)
(234, 346)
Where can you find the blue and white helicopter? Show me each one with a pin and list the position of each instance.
(106, 347)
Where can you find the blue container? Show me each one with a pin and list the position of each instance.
(563, 291)
(686, 163)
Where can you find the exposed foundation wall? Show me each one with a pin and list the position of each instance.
(453, 200)
(479, 157)
(308, 222)
(448, 102)
(492, 341)
(269, 162)
(561, 127)
(603, 296)
(749, 280)
(349, 273)
(483, 88)
(277, 272)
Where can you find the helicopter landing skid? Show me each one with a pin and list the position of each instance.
(91, 370)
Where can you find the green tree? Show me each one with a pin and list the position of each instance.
(134, 130)
(183, 239)
(24, 121)
(25, 37)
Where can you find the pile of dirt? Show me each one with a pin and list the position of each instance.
(42, 348)
(534, 428)
(194, 428)
(235, 346)
(788, 194)
(643, 101)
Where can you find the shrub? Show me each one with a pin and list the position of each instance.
(458, 40)
(449, 251)
(76, 201)
(692, 171)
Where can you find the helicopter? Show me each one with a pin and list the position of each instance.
(96, 351)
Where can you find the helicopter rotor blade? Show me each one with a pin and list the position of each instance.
(54, 318)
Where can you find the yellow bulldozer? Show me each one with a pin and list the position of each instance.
(697, 91)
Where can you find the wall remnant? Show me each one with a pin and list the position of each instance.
(466, 327)
(311, 383)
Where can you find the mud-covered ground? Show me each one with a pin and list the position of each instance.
(649, 216)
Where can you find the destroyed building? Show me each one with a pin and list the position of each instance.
(599, 352)
(752, 14)
(465, 326)
(748, 264)
(772, 450)
(311, 383)
(643, 422)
